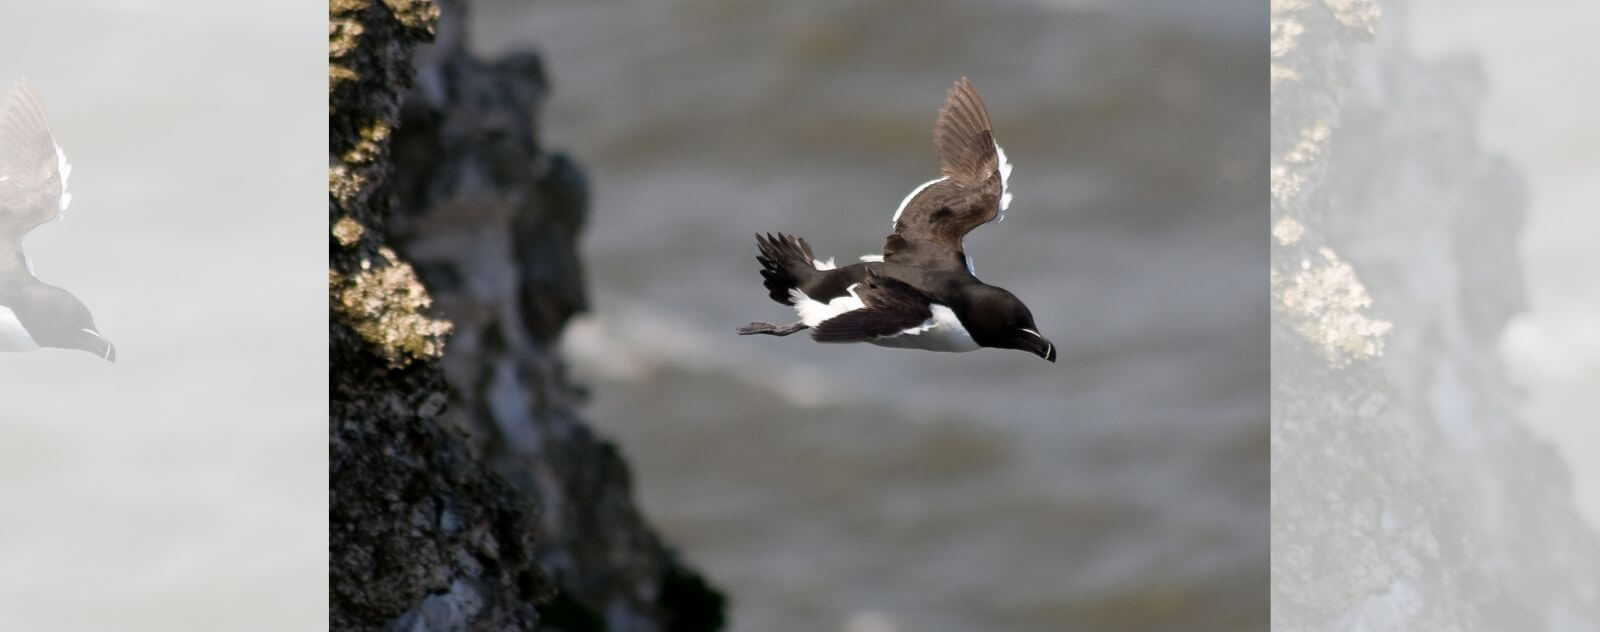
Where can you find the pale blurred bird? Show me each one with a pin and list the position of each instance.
(33, 191)
(921, 292)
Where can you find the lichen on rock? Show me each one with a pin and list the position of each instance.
(348, 231)
(1324, 301)
(386, 305)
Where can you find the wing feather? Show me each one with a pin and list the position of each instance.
(963, 137)
(32, 168)
(890, 307)
(971, 192)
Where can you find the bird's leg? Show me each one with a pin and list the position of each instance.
(771, 329)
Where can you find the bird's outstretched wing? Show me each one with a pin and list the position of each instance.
(889, 308)
(971, 192)
(33, 171)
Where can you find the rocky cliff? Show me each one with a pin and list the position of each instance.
(1408, 494)
(466, 492)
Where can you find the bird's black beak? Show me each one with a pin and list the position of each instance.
(91, 341)
(1039, 346)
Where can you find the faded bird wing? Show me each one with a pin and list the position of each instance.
(33, 171)
(971, 192)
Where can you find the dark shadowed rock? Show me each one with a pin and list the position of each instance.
(465, 490)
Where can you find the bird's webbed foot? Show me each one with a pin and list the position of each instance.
(770, 329)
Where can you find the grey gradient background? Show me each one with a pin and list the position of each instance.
(1540, 111)
(185, 486)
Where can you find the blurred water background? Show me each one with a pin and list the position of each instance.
(185, 486)
(1539, 115)
(866, 489)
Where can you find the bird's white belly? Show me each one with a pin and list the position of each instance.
(942, 332)
(13, 337)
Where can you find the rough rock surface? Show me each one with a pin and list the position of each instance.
(1407, 493)
(465, 492)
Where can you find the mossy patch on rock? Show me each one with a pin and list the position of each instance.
(384, 303)
(348, 231)
(373, 137)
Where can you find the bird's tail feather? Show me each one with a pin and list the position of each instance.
(786, 262)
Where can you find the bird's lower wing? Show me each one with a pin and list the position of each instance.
(890, 308)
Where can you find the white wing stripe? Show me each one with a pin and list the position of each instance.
(907, 201)
(1005, 187)
(1005, 167)
(66, 170)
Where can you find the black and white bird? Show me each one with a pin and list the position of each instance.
(921, 292)
(33, 191)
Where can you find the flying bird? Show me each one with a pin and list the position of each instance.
(33, 191)
(921, 293)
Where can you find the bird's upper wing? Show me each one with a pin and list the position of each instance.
(33, 171)
(971, 192)
(889, 307)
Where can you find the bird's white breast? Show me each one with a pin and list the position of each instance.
(942, 331)
(13, 337)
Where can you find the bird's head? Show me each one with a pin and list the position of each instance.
(1001, 321)
(58, 319)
